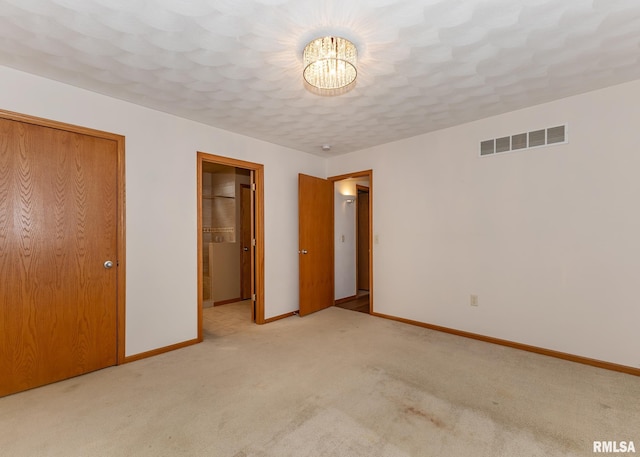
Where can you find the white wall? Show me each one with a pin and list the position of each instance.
(549, 239)
(346, 237)
(344, 240)
(161, 181)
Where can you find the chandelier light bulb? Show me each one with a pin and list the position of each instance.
(330, 66)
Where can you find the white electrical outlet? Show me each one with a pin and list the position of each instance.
(473, 300)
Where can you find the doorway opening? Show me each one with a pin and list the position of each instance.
(230, 236)
(353, 239)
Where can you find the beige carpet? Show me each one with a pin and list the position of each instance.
(336, 383)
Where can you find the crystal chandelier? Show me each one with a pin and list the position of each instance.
(330, 66)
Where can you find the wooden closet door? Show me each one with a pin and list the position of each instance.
(58, 227)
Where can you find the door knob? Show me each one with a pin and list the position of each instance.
(304, 251)
(108, 264)
(245, 248)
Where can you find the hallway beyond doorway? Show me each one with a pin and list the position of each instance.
(360, 303)
(219, 321)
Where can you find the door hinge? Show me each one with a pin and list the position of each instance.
(253, 186)
(253, 242)
(253, 297)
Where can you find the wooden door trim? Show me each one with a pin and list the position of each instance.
(242, 228)
(258, 179)
(120, 211)
(281, 316)
(523, 347)
(364, 174)
(360, 189)
(357, 174)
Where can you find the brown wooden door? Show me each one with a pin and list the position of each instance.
(315, 212)
(363, 239)
(245, 243)
(58, 226)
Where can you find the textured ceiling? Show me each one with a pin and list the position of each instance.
(237, 64)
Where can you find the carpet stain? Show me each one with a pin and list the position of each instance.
(72, 387)
(417, 412)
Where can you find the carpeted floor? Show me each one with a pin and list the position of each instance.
(335, 383)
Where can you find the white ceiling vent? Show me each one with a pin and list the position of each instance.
(521, 141)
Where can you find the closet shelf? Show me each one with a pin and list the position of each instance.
(218, 229)
(211, 197)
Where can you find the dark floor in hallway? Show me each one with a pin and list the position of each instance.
(360, 303)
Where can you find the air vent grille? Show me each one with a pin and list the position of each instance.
(537, 138)
(487, 147)
(519, 141)
(522, 141)
(556, 135)
(503, 144)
